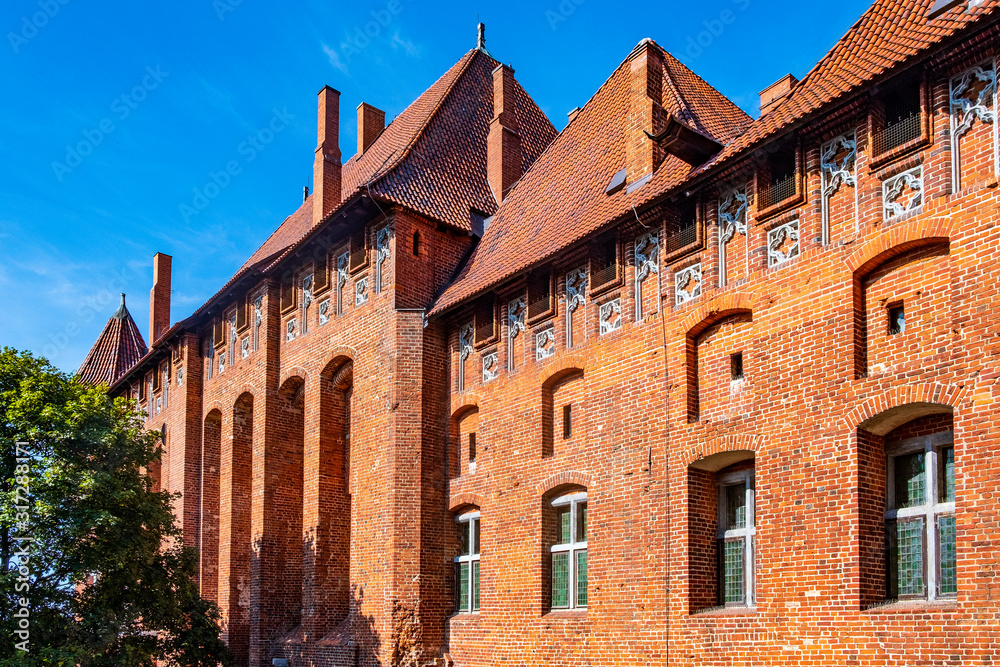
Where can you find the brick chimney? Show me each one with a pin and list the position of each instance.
(504, 140)
(642, 154)
(327, 167)
(159, 297)
(770, 96)
(371, 122)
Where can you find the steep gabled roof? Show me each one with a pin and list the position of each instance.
(563, 196)
(567, 183)
(116, 350)
(432, 157)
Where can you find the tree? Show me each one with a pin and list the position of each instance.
(94, 571)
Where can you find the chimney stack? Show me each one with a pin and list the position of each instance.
(642, 154)
(371, 122)
(327, 167)
(770, 96)
(504, 140)
(159, 297)
(572, 114)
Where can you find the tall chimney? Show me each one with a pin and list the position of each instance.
(327, 168)
(371, 122)
(777, 91)
(642, 154)
(503, 145)
(159, 297)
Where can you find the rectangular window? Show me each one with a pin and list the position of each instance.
(359, 249)
(539, 295)
(467, 564)
(604, 264)
(900, 119)
(472, 451)
(897, 319)
(569, 556)
(736, 367)
(778, 178)
(567, 422)
(920, 519)
(737, 528)
(685, 230)
(485, 319)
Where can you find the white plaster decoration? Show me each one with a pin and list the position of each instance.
(222, 364)
(647, 262)
(233, 337)
(545, 344)
(159, 405)
(516, 315)
(973, 95)
(180, 376)
(166, 386)
(610, 316)
(381, 254)
(290, 329)
(783, 243)
(245, 348)
(576, 296)
(491, 366)
(464, 350)
(343, 262)
(210, 355)
(324, 311)
(733, 208)
(307, 299)
(257, 319)
(837, 160)
(361, 291)
(902, 193)
(687, 284)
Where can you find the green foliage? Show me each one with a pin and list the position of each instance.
(108, 579)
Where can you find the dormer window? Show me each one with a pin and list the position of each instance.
(605, 263)
(778, 177)
(897, 117)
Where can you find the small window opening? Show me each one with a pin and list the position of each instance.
(567, 422)
(780, 182)
(736, 367)
(539, 294)
(472, 449)
(604, 262)
(416, 243)
(897, 319)
(901, 115)
(685, 232)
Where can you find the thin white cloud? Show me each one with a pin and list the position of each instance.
(409, 48)
(334, 57)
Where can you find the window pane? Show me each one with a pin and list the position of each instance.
(581, 578)
(581, 522)
(475, 585)
(462, 587)
(475, 536)
(732, 571)
(463, 529)
(948, 475)
(908, 561)
(947, 574)
(560, 580)
(565, 533)
(909, 472)
(736, 506)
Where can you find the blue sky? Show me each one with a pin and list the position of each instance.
(116, 115)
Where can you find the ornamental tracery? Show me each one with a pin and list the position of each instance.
(733, 207)
(687, 284)
(576, 296)
(783, 243)
(545, 343)
(647, 256)
(610, 316)
(381, 255)
(465, 337)
(343, 262)
(491, 366)
(972, 96)
(517, 312)
(837, 160)
(902, 193)
(257, 319)
(361, 291)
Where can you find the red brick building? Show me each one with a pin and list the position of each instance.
(674, 387)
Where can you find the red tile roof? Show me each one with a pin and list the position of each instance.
(561, 200)
(116, 350)
(432, 157)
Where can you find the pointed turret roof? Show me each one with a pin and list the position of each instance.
(116, 350)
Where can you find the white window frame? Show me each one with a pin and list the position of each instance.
(573, 500)
(470, 520)
(748, 534)
(931, 510)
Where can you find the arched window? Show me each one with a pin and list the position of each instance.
(736, 536)
(467, 563)
(569, 553)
